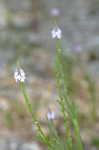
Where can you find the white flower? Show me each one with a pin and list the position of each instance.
(56, 33)
(55, 12)
(51, 115)
(19, 75)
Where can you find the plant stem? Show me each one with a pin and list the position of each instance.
(29, 107)
(65, 102)
(77, 134)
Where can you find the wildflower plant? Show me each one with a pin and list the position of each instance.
(19, 76)
(67, 106)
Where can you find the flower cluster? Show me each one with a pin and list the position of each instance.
(55, 12)
(51, 115)
(19, 75)
(56, 33)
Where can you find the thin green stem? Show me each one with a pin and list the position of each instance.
(29, 107)
(27, 101)
(65, 102)
(77, 134)
(62, 93)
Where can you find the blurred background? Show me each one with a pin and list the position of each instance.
(25, 27)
